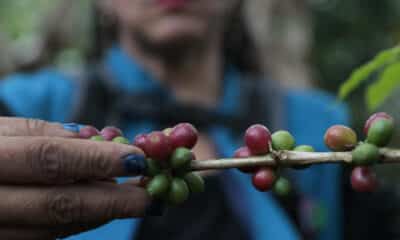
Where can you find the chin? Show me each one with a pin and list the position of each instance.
(177, 29)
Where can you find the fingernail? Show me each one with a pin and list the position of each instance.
(80, 126)
(135, 164)
(72, 127)
(155, 209)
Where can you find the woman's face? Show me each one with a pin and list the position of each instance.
(165, 21)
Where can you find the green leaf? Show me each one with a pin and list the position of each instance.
(387, 82)
(362, 73)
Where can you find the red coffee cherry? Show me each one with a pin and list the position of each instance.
(340, 138)
(167, 131)
(158, 146)
(244, 152)
(258, 139)
(363, 179)
(88, 132)
(140, 141)
(183, 135)
(264, 179)
(109, 133)
(374, 117)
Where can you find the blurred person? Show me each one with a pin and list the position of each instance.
(160, 62)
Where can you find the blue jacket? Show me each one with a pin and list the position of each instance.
(53, 95)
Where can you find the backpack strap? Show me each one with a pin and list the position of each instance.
(103, 104)
(96, 101)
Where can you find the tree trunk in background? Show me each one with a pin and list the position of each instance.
(283, 32)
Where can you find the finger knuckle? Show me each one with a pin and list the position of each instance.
(35, 127)
(116, 208)
(99, 164)
(63, 208)
(46, 158)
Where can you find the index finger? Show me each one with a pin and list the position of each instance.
(49, 160)
(12, 126)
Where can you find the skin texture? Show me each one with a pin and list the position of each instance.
(54, 184)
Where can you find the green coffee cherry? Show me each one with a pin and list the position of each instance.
(282, 187)
(195, 182)
(181, 158)
(97, 138)
(304, 148)
(178, 192)
(153, 168)
(159, 186)
(282, 140)
(380, 132)
(121, 140)
(365, 154)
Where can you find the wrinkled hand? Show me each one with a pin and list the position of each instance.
(55, 185)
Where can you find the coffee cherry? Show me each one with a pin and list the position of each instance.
(97, 138)
(109, 133)
(363, 179)
(140, 141)
(263, 180)
(88, 132)
(304, 148)
(158, 186)
(183, 135)
(340, 138)
(179, 191)
(376, 117)
(121, 140)
(282, 187)
(380, 132)
(167, 131)
(181, 158)
(158, 146)
(258, 139)
(152, 167)
(244, 152)
(283, 140)
(195, 182)
(365, 154)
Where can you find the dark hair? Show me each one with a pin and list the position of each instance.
(239, 48)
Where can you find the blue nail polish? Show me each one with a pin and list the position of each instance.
(72, 127)
(80, 126)
(155, 209)
(135, 164)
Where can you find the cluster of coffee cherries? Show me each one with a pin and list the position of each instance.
(378, 129)
(169, 155)
(106, 134)
(168, 163)
(259, 141)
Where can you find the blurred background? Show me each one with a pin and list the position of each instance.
(321, 40)
(304, 43)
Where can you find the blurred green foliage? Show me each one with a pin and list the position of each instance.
(22, 18)
(349, 33)
(386, 67)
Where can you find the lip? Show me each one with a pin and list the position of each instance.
(172, 4)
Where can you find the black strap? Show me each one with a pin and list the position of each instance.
(106, 105)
